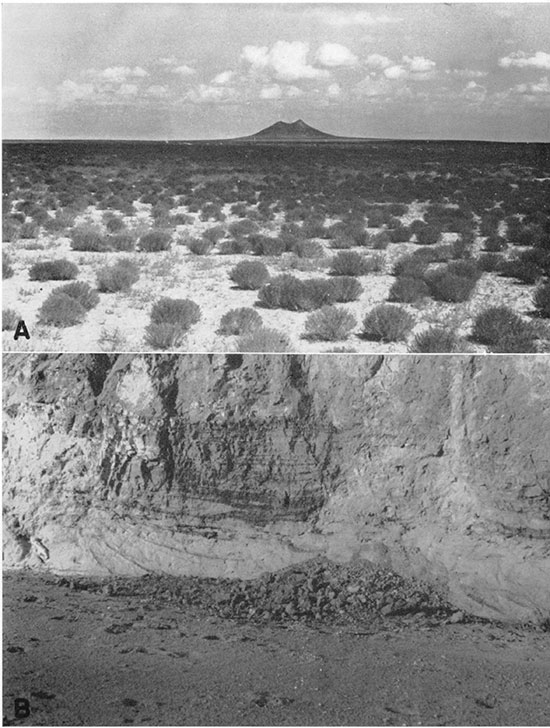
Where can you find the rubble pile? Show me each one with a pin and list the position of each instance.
(316, 591)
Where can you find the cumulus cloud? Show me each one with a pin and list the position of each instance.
(466, 73)
(341, 18)
(334, 91)
(128, 89)
(205, 93)
(332, 55)
(419, 64)
(119, 74)
(223, 78)
(71, 91)
(395, 73)
(522, 60)
(286, 60)
(183, 70)
(157, 91)
(376, 61)
(271, 92)
(542, 87)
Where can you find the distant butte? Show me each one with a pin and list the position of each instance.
(296, 131)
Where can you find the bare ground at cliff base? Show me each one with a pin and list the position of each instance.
(120, 652)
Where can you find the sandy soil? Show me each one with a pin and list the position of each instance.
(88, 658)
(119, 321)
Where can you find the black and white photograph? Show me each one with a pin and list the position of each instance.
(370, 178)
(276, 364)
(240, 539)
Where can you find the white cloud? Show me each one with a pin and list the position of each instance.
(286, 60)
(271, 92)
(183, 70)
(205, 93)
(376, 61)
(223, 78)
(157, 91)
(466, 73)
(71, 91)
(332, 55)
(334, 91)
(419, 64)
(395, 73)
(341, 18)
(522, 60)
(293, 92)
(542, 87)
(127, 89)
(119, 74)
(168, 61)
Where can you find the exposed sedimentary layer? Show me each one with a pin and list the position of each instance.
(234, 465)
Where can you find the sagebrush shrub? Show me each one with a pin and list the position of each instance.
(214, 234)
(61, 310)
(428, 235)
(503, 331)
(342, 242)
(155, 241)
(541, 298)
(262, 245)
(495, 244)
(380, 240)
(454, 282)
(263, 340)
(435, 340)
(286, 291)
(308, 249)
(525, 271)
(10, 319)
(115, 225)
(200, 247)
(240, 228)
(330, 323)
(346, 288)
(82, 292)
(121, 242)
(489, 262)
(239, 321)
(53, 270)
(28, 230)
(7, 268)
(350, 263)
(409, 266)
(401, 234)
(408, 290)
(89, 239)
(180, 312)
(162, 336)
(234, 247)
(118, 277)
(249, 274)
(387, 322)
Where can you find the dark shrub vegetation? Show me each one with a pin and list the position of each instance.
(351, 263)
(346, 288)
(329, 323)
(264, 340)
(155, 241)
(286, 291)
(118, 277)
(200, 246)
(61, 310)
(249, 274)
(53, 270)
(239, 321)
(406, 289)
(10, 319)
(387, 322)
(435, 340)
(180, 312)
(503, 331)
(7, 268)
(89, 239)
(81, 292)
(541, 298)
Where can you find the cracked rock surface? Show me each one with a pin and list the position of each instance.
(237, 466)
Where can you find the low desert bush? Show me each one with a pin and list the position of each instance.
(380, 240)
(200, 246)
(89, 239)
(428, 235)
(181, 312)
(495, 244)
(406, 289)
(307, 249)
(164, 336)
(541, 299)
(239, 321)
(262, 245)
(118, 277)
(503, 331)
(249, 274)
(53, 270)
(61, 310)
(121, 242)
(524, 271)
(214, 234)
(346, 288)
(286, 291)
(489, 262)
(81, 292)
(7, 268)
(263, 340)
(435, 340)
(114, 224)
(401, 234)
(410, 266)
(29, 230)
(387, 322)
(350, 263)
(329, 323)
(10, 319)
(240, 228)
(342, 242)
(454, 282)
(155, 241)
(234, 247)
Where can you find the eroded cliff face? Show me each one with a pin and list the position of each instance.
(235, 465)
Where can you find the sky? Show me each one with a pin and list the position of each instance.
(208, 71)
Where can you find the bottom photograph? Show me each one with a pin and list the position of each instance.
(276, 539)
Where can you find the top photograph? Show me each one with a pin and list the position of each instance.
(312, 178)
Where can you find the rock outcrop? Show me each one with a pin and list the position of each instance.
(438, 467)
